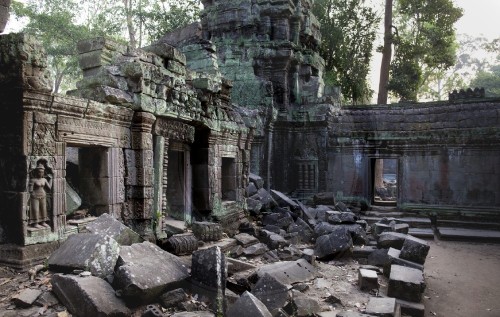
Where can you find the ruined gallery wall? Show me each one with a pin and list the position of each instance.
(447, 154)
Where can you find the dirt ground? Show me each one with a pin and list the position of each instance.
(463, 279)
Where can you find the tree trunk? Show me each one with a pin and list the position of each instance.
(386, 55)
(130, 23)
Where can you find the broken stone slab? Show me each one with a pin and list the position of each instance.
(358, 234)
(207, 231)
(283, 200)
(173, 298)
(245, 240)
(106, 225)
(382, 306)
(208, 267)
(235, 266)
(153, 311)
(86, 251)
(367, 280)
(302, 305)
(340, 206)
(88, 296)
(142, 281)
(47, 299)
(73, 200)
(288, 272)
(323, 228)
(256, 249)
(347, 217)
(414, 249)
(379, 227)
(362, 252)
(336, 244)
(275, 241)
(378, 257)
(308, 255)
(26, 297)
(305, 231)
(411, 309)
(251, 189)
(257, 180)
(391, 240)
(248, 306)
(254, 206)
(265, 198)
(271, 292)
(394, 258)
(289, 253)
(406, 283)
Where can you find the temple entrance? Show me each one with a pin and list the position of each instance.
(179, 182)
(384, 181)
(91, 183)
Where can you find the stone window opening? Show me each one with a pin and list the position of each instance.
(307, 176)
(228, 179)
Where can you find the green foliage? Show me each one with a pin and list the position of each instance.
(490, 80)
(348, 30)
(424, 43)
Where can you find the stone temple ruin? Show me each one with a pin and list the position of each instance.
(172, 132)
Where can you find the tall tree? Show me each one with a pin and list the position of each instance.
(385, 66)
(348, 30)
(424, 43)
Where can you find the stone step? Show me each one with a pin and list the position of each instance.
(416, 222)
(422, 233)
(173, 226)
(448, 233)
(469, 224)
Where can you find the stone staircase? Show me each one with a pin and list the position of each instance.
(420, 226)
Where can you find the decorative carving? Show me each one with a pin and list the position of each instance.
(44, 140)
(175, 130)
(40, 184)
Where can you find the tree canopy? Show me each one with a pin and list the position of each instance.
(60, 24)
(424, 41)
(348, 30)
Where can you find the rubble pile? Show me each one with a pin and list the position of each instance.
(277, 265)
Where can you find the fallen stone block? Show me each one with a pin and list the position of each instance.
(324, 228)
(288, 272)
(362, 252)
(88, 252)
(411, 309)
(88, 296)
(345, 314)
(106, 225)
(302, 305)
(26, 297)
(406, 283)
(271, 292)
(265, 198)
(245, 240)
(382, 306)
(308, 255)
(283, 200)
(324, 198)
(254, 206)
(394, 258)
(173, 298)
(47, 299)
(414, 249)
(347, 217)
(388, 240)
(358, 234)
(336, 244)
(180, 244)
(379, 227)
(367, 280)
(256, 249)
(251, 189)
(248, 306)
(153, 311)
(378, 257)
(194, 314)
(257, 180)
(142, 281)
(207, 231)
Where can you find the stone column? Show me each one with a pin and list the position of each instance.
(140, 170)
(158, 164)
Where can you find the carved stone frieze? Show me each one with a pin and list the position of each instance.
(174, 130)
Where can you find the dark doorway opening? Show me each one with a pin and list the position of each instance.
(179, 183)
(228, 179)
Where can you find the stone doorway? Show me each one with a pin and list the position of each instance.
(384, 181)
(93, 180)
(179, 182)
(228, 179)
